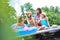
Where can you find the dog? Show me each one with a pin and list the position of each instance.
(30, 19)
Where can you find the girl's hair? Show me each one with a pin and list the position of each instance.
(43, 15)
(39, 10)
(20, 19)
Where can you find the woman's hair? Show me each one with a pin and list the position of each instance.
(39, 10)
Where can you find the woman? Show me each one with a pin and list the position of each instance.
(37, 18)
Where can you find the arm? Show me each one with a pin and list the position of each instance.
(47, 21)
(14, 27)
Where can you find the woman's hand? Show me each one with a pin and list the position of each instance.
(47, 21)
(38, 21)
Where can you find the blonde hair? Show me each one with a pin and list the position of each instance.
(31, 18)
(19, 19)
(43, 15)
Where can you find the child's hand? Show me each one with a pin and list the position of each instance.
(38, 21)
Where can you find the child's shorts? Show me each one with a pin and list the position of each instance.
(44, 26)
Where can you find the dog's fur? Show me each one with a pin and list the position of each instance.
(29, 17)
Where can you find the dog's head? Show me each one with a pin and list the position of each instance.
(28, 14)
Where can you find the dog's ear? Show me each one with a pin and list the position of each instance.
(27, 13)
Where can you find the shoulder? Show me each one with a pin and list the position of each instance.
(46, 18)
(35, 15)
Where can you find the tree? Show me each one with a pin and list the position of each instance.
(7, 18)
(52, 9)
(45, 9)
(56, 9)
(28, 7)
(22, 10)
(53, 14)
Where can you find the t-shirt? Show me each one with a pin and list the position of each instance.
(36, 18)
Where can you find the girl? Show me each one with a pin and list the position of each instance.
(44, 21)
(20, 26)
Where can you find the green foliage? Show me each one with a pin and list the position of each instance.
(7, 18)
(27, 7)
(53, 14)
(22, 10)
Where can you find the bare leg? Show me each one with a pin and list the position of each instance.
(42, 28)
